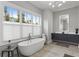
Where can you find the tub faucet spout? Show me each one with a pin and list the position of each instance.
(29, 36)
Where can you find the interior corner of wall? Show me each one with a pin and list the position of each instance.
(49, 41)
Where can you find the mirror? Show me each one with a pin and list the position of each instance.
(64, 23)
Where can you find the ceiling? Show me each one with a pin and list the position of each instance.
(43, 5)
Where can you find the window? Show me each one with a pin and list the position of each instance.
(36, 28)
(12, 30)
(36, 20)
(11, 14)
(27, 18)
(23, 18)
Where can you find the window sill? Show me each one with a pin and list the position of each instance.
(26, 24)
(16, 23)
(6, 22)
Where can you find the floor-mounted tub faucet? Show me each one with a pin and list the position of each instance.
(29, 37)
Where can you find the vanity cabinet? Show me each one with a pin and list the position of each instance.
(68, 38)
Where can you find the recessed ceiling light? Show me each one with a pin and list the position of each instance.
(53, 6)
(64, 1)
(59, 5)
(50, 4)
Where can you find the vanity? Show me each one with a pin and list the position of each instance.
(66, 38)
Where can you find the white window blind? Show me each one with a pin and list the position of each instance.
(36, 30)
(11, 32)
(26, 29)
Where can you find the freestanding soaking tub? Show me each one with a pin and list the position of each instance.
(27, 48)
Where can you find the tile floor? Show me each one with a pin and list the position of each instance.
(54, 50)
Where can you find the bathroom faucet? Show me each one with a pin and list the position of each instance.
(29, 36)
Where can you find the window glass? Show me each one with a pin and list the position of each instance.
(34, 20)
(11, 14)
(26, 18)
(23, 18)
(37, 20)
(29, 18)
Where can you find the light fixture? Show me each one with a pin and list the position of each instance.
(50, 4)
(56, 3)
(59, 5)
(64, 1)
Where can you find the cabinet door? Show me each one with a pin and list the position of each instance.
(75, 38)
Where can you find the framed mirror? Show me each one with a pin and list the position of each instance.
(64, 23)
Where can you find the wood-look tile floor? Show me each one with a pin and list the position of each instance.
(54, 50)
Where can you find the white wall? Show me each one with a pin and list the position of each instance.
(48, 24)
(73, 19)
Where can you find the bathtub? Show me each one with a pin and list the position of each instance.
(27, 48)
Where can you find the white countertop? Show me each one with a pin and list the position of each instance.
(68, 33)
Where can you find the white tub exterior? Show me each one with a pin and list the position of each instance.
(27, 48)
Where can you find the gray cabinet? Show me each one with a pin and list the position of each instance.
(68, 38)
